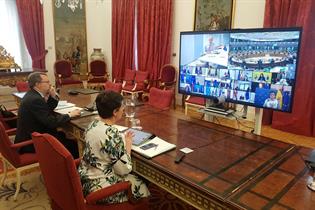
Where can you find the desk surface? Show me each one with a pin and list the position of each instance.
(229, 169)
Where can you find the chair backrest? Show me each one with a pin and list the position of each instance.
(141, 76)
(22, 86)
(59, 172)
(64, 68)
(129, 75)
(98, 68)
(168, 74)
(117, 87)
(5, 147)
(161, 99)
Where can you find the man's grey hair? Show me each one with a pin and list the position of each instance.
(34, 78)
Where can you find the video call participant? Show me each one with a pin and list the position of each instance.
(271, 102)
(36, 114)
(106, 158)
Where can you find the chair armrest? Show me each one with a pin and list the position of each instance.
(77, 162)
(93, 197)
(11, 131)
(21, 144)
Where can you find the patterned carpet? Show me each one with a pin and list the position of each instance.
(33, 194)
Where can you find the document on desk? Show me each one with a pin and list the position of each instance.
(67, 110)
(63, 105)
(154, 147)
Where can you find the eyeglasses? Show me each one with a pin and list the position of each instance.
(44, 82)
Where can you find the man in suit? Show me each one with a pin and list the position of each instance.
(36, 114)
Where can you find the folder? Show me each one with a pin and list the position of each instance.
(160, 147)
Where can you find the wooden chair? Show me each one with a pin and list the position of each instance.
(139, 85)
(22, 86)
(98, 74)
(10, 156)
(63, 74)
(60, 174)
(161, 99)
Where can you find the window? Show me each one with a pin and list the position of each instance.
(11, 36)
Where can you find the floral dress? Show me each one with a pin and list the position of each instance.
(105, 162)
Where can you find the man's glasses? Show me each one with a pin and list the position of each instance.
(44, 82)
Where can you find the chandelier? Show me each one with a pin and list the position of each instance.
(72, 4)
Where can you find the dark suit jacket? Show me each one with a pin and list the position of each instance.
(36, 115)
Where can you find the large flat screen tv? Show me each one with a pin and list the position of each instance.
(255, 67)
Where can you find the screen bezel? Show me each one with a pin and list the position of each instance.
(251, 30)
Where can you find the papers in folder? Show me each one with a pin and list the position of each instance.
(63, 105)
(162, 146)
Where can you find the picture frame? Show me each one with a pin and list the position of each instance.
(213, 15)
(70, 36)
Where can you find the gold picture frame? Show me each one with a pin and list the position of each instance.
(213, 15)
(71, 36)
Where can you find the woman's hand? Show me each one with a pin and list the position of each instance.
(128, 138)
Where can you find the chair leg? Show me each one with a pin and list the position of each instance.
(5, 170)
(18, 184)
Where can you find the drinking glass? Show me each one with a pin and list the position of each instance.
(135, 123)
(130, 107)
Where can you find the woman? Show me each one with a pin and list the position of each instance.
(106, 158)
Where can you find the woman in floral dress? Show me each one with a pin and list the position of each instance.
(106, 158)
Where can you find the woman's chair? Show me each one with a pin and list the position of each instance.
(161, 99)
(10, 156)
(98, 74)
(63, 74)
(60, 174)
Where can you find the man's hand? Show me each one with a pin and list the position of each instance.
(52, 92)
(75, 113)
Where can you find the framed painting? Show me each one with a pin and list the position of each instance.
(70, 35)
(213, 14)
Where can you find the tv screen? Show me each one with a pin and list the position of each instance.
(255, 67)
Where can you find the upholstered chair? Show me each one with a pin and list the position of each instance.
(10, 156)
(60, 175)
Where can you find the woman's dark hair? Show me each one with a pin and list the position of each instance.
(107, 102)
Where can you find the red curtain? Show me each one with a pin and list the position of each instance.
(154, 29)
(32, 23)
(286, 13)
(123, 17)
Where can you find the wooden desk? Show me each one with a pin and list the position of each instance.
(229, 169)
(9, 78)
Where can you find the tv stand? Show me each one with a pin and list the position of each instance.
(219, 111)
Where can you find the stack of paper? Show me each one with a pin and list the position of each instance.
(161, 147)
(63, 105)
(67, 110)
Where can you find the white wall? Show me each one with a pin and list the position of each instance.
(98, 29)
(247, 14)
